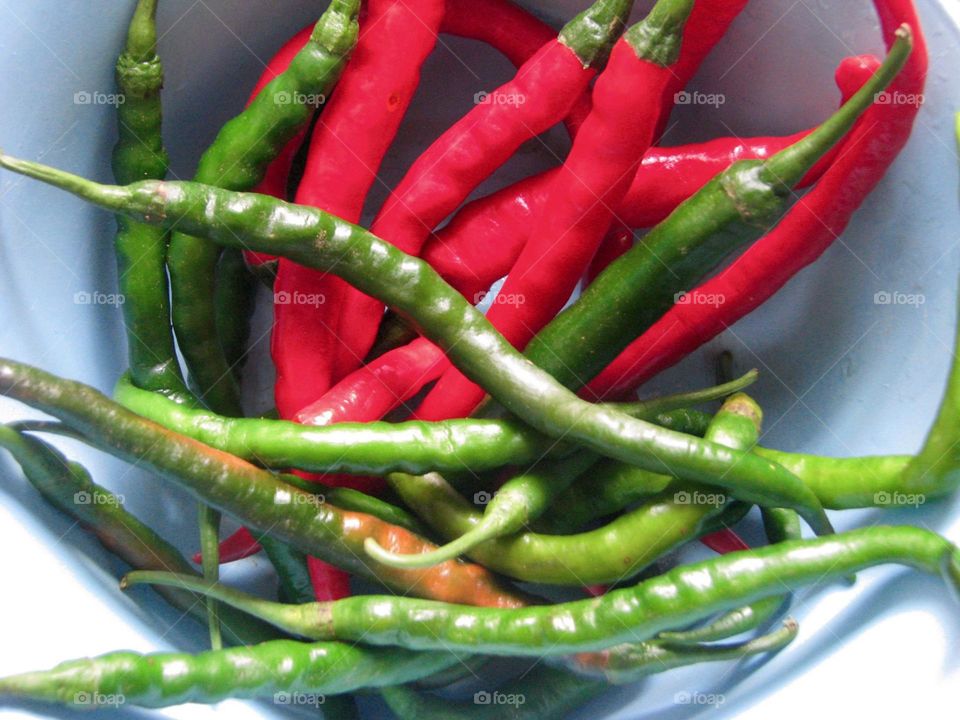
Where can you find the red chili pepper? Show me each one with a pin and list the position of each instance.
(242, 544)
(379, 387)
(581, 197)
(724, 541)
(349, 142)
(511, 30)
(801, 237)
(542, 93)
(483, 240)
(673, 175)
(370, 393)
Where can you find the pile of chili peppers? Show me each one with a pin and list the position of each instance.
(440, 453)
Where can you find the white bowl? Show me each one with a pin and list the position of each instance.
(841, 375)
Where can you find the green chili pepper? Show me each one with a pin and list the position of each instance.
(845, 483)
(611, 553)
(141, 249)
(526, 497)
(291, 567)
(237, 160)
(544, 693)
(780, 525)
(629, 663)
(734, 622)
(364, 448)
(234, 300)
(678, 597)
(936, 468)
(280, 669)
(256, 497)
(610, 487)
(67, 486)
(316, 239)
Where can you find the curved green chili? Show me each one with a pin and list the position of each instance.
(281, 669)
(611, 553)
(364, 448)
(678, 597)
(237, 159)
(234, 296)
(526, 497)
(141, 248)
(734, 622)
(858, 482)
(629, 663)
(68, 487)
(256, 497)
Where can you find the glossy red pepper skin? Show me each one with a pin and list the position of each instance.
(542, 93)
(800, 238)
(348, 144)
(512, 31)
(370, 393)
(241, 544)
(579, 208)
(379, 387)
(482, 241)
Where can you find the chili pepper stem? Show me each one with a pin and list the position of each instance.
(790, 165)
(306, 620)
(487, 529)
(142, 33)
(592, 33)
(657, 38)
